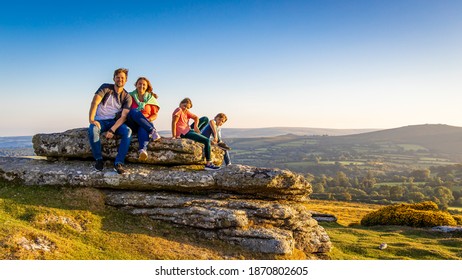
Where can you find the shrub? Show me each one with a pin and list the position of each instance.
(424, 214)
(458, 219)
(426, 205)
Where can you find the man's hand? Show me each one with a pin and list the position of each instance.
(96, 123)
(109, 134)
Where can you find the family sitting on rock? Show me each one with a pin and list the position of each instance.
(115, 111)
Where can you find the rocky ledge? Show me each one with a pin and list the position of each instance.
(263, 226)
(259, 209)
(74, 144)
(239, 180)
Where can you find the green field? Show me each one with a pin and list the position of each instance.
(74, 224)
(354, 242)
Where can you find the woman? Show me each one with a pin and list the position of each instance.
(143, 112)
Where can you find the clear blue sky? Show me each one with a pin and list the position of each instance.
(324, 63)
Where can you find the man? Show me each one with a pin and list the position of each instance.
(108, 112)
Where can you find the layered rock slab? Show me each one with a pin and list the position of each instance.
(261, 226)
(235, 179)
(74, 144)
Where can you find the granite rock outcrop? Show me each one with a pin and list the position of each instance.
(260, 209)
(74, 144)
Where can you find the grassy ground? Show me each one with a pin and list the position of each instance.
(74, 223)
(354, 242)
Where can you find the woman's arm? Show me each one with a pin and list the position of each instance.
(153, 114)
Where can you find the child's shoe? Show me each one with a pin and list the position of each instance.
(211, 166)
(223, 146)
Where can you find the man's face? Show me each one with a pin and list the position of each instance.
(120, 79)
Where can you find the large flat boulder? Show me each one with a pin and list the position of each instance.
(74, 144)
(240, 180)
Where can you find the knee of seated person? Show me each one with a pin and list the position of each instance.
(125, 131)
(94, 129)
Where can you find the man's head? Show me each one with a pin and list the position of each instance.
(120, 77)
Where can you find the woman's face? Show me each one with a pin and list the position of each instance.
(141, 86)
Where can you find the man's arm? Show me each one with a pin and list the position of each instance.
(118, 123)
(94, 105)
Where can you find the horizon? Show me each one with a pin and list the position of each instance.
(275, 127)
(310, 64)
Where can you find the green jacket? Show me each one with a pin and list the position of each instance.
(149, 99)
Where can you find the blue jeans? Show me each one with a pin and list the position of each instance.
(94, 135)
(140, 125)
(206, 130)
(201, 139)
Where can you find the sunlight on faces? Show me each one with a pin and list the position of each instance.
(141, 86)
(220, 121)
(120, 80)
(185, 106)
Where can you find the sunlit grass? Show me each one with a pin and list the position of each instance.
(56, 223)
(354, 242)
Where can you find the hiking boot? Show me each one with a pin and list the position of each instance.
(211, 166)
(223, 146)
(143, 155)
(99, 165)
(155, 136)
(119, 168)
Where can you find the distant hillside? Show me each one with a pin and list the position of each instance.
(16, 142)
(277, 131)
(385, 151)
(435, 137)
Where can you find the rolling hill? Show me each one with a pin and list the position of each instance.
(438, 138)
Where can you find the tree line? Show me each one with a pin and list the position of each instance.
(440, 184)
